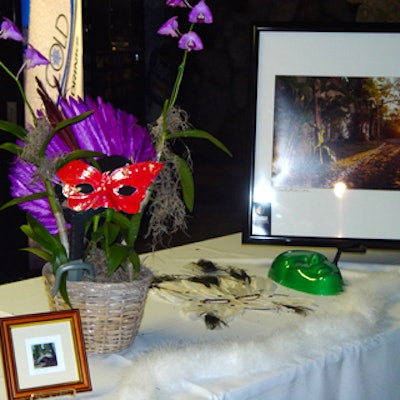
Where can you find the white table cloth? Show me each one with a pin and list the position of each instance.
(354, 354)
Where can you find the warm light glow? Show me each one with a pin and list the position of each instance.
(339, 189)
(263, 193)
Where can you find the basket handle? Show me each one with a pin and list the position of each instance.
(75, 270)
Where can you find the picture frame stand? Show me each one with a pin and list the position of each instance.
(53, 393)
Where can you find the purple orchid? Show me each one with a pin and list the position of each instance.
(9, 30)
(176, 3)
(169, 28)
(107, 130)
(190, 41)
(201, 13)
(34, 57)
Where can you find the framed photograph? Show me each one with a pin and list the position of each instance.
(325, 119)
(44, 354)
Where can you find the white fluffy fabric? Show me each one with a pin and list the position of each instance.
(356, 314)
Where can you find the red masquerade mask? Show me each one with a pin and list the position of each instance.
(123, 189)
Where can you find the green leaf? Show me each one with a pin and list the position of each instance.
(23, 199)
(199, 134)
(121, 220)
(134, 229)
(37, 238)
(71, 121)
(78, 154)
(128, 226)
(63, 289)
(112, 232)
(118, 254)
(37, 232)
(59, 257)
(187, 184)
(11, 147)
(108, 213)
(61, 125)
(16, 130)
(38, 252)
(97, 236)
(135, 260)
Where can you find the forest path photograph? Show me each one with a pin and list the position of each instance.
(375, 169)
(336, 129)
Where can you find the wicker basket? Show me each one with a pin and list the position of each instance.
(111, 313)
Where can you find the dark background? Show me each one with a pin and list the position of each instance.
(128, 64)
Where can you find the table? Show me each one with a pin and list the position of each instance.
(348, 349)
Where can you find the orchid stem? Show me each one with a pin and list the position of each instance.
(170, 103)
(178, 81)
(109, 214)
(21, 90)
(179, 77)
(58, 215)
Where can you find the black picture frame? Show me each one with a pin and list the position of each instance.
(291, 199)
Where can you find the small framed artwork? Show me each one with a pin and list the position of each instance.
(44, 355)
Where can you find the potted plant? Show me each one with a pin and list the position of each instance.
(86, 173)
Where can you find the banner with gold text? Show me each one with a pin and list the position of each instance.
(54, 28)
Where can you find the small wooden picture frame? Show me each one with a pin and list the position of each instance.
(44, 355)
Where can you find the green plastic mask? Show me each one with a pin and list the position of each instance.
(306, 271)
